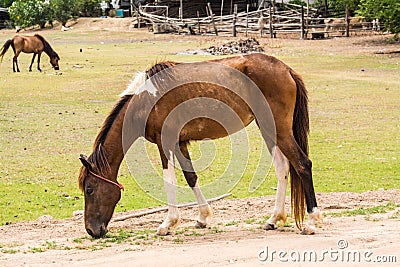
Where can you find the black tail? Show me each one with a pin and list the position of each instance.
(5, 48)
(301, 128)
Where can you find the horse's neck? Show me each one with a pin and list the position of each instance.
(47, 49)
(113, 142)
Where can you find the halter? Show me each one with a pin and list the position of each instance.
(120, 186)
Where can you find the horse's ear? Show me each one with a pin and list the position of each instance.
(85, 162)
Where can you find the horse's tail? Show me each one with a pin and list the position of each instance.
(5, 48)
(301, 128)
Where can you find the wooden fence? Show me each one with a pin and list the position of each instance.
(293, 19)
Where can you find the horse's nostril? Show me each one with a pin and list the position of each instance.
(103, 231)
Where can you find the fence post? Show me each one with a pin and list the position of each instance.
(198, 21)
(261, 23)
(347, 19)
(247, 18)
(302, 23)
(271, 28)
(212, 18)
(234, 20)
(138, 18)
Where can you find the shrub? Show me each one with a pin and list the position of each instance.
(387, 11)
(26, 13)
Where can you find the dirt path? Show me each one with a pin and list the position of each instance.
(234, 237)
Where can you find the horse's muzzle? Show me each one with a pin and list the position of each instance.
(56, 67)
(102, 231)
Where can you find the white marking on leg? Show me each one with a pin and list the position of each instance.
(313, 217)
(205, 210)
(282, 171)
(140, 84)
(172, 218)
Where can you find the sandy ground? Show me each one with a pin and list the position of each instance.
(235, 235)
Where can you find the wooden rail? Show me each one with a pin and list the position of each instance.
(293, 19)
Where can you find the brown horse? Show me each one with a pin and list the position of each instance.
(173, 103)
(30, 44)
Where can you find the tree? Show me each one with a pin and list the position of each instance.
(89, 8)
(26, 13)
(64, 10)
(339, 6)
(6, 3)
(387, 11)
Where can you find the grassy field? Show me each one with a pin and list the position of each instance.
(49, 118)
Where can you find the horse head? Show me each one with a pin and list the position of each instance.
(54, 58)
(101, 197)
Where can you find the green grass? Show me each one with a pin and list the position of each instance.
(366, 211)
(47, 120)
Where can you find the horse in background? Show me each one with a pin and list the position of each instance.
(30, 44)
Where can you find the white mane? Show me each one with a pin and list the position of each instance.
(138, 85)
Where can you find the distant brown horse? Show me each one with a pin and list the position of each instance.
(174, 103)
(30, 44)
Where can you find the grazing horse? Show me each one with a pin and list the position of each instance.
(252, 87)
(30, 44)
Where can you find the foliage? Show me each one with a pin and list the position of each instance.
(387, 11)
(298, 2)
(6, 3)
(27, 13)
(89, 8)
(339, 6)
(64, 10)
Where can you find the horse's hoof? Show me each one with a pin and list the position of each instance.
(308, 231)
(200, 225)
(162, 231)
(269, 226)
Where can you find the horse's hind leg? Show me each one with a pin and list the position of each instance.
(281, 164)
(302, 166)
(15, 61)
(172, 218)
(33, 59)
(205, 211)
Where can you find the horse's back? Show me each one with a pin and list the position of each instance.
(274, 79)
(28, 44)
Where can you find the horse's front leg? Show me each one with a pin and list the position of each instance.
(205, 211)
(38, 62)
(281, 164)
(15, 64)
(172, 218)
(33, 59)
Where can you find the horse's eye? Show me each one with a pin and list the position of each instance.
(89, 190)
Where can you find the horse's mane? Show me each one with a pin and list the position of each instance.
(98, 158)
(164, 67)
(159, 66)
(47, 48)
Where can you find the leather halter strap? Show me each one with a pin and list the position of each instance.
(120, 186)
